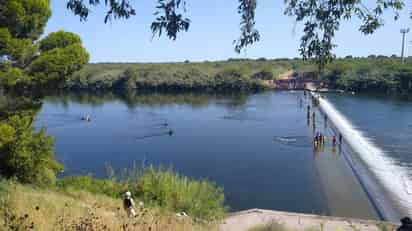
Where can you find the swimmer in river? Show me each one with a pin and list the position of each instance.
(86, 118)
(165, 124)
(170, 132)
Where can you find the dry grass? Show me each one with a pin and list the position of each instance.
(26, 208)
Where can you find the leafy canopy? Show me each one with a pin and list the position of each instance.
(321, 19)
(25, 18)
(28, 61)
(25, 63)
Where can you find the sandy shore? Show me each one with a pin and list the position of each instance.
(244, 220)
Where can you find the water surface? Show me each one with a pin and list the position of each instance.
(257, 146)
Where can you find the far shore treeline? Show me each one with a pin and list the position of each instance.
(378, 74)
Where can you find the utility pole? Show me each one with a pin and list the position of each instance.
(403, 32)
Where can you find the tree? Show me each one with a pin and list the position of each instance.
(25, 18)
(31, 62)
(25, 153)
(59, 39)
(27, 62)
(321, 20)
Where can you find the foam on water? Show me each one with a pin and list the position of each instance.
(394, 178)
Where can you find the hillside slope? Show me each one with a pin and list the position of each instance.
(28, 208)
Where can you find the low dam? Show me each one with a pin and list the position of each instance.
(386, 184)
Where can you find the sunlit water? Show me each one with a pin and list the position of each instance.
(257, 146)
(380, 132)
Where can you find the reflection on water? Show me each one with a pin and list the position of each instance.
(257, 146)
(296, 141)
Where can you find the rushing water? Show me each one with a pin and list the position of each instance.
(257, 146)
(384, 144)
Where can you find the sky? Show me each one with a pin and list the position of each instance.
(214, 26)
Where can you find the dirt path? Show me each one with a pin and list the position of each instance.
(244, 220)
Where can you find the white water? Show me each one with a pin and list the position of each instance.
(393, 178)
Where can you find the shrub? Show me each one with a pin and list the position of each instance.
(165, 188)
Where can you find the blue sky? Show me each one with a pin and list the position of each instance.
(214, 26)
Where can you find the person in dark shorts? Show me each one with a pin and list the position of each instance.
(406, 224)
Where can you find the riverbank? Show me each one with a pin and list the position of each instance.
(222, 75)
(24, 207)
(284, 221)
(372, 74)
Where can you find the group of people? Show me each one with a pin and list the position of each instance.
(320, 139)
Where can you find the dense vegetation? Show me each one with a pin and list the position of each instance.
(27, 63)
(157, 187)
(374, 73)
(228, 75)
(377, 74)
(24, 207)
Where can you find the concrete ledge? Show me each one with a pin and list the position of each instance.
(244, 220)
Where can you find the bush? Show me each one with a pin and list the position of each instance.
(165, 188)
(87, 183)
(157, 187)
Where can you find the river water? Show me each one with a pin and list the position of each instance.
(386, 123)
(257, 146)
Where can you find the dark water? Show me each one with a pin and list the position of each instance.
(257, 146)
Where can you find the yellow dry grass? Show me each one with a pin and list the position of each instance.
(27, 208)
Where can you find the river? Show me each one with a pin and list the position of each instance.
(257, 146)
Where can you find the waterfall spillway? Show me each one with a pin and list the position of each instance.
(392, 178)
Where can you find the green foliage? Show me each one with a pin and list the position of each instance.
(60, 54)
(24, 18)
(238, 75)
(370, 74)
(165, 188)
(107, 187)
(59, 39)
(157, 187)
(10, 76)
(58, 63)
(26, 154)
(322, 19)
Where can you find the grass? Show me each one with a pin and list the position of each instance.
(157, 187)
(28, 208)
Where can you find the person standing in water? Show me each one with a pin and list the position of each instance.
(340, 138)
(334, 140)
